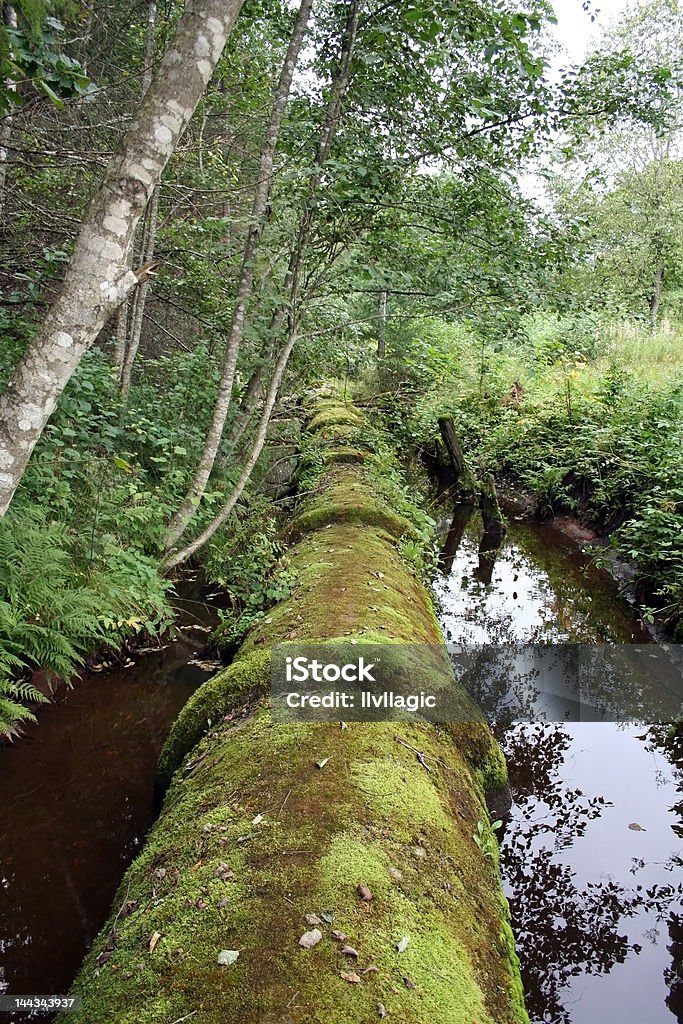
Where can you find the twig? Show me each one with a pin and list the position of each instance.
(186, 1017)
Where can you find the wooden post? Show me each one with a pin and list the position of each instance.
(464, 478)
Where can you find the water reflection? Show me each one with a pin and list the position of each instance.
(592, 853)
(571, 923)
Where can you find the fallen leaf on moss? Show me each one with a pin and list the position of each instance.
(364, 893)
(224, 871)
(312, 919)
(403, 944)
(310, 939)
(371, 970)
(381, 1010)
(227, 957)
(350, 951)
(327, 916)
(408, 983)
(322, 762)
(339, 936)
(257, 820)
(153, 941)
(351, 977)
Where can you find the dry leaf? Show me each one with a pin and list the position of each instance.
(312, 919)
(257, 820)
(381, 1010)
(364, 893)
(351, 977)
(408, 983)
(224, 871)
(339, 936)
(396, 874)
(322, 762)
(635, 827)
(310, 939)
(350, 951)
(371, 970)
(403, 944)
(153, 941)
(227, 957)
(327, 916)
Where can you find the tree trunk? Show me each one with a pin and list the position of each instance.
(370, 827)
(464, 478)
(97, 279)
(10, 17)
(382, 324)
(656, 297)
(257, 447)
(140, 297)
(245, 283)
(126, 319)
(337, 94)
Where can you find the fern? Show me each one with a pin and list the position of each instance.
(53, 611)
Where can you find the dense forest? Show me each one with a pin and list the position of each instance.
(242, 240)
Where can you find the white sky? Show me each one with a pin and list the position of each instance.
(574, 29)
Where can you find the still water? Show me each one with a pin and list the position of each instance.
(593, 851)
(76, 797)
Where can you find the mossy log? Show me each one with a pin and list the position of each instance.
(465, 481)
(253, 837)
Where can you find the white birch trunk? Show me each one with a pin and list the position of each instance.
(98, 278)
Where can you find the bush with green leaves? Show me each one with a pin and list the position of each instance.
(595, 437)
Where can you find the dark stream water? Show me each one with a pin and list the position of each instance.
(76, 797)
(593, 851)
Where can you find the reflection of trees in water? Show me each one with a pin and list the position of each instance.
(661, 739)
(561, 930)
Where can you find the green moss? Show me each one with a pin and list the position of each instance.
(245, 680)
(299, 840)
(344, 455)
(345, 496)
(334, 415)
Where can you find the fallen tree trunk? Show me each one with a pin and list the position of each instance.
(362, 835)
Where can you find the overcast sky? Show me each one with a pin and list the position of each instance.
(574, 28)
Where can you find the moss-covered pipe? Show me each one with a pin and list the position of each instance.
(254, 838)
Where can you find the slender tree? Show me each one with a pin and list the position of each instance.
(245, 284)
(288, 312)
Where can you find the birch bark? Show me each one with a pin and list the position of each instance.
(98, 278)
